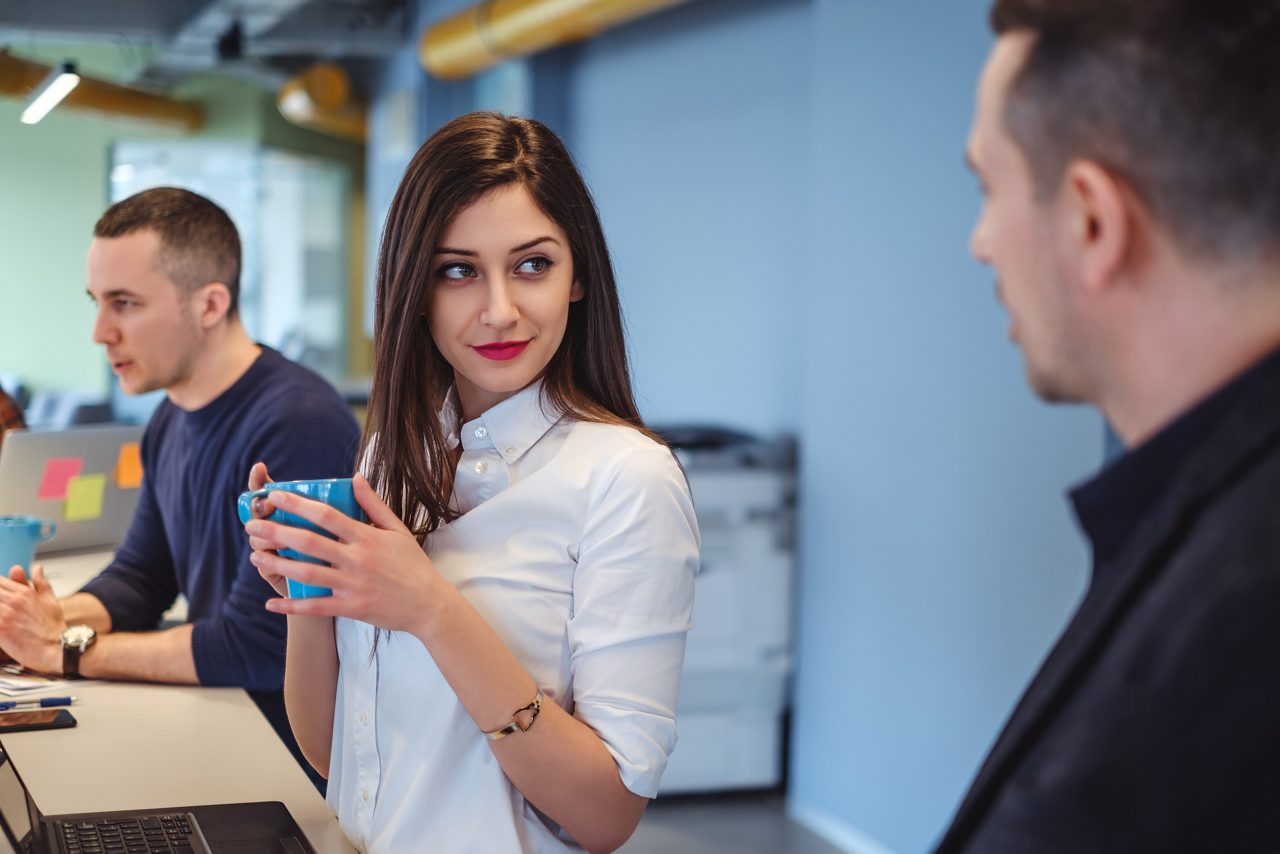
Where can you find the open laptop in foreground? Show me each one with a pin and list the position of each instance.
(263, 827)
(86, 479)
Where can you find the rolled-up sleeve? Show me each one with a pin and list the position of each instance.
(633, 597)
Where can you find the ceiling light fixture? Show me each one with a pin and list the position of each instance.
(60, 80)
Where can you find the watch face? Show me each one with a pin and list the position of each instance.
(77, 635)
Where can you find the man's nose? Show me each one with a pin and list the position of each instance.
(104, 332)
(978, 241)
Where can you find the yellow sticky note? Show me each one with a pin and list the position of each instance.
(129, 466)
(84, 497)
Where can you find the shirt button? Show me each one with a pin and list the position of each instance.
(364, 793)
(482, 467)
(481, 432)
(364, 717)
(510, 451)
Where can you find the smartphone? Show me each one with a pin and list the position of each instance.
(36, 719)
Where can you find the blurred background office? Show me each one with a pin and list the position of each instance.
(782, 184)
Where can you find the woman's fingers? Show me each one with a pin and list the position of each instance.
(374, 507)
(312, 606)
(298, 570)
(319, 514)
(258, 544)
(278, 536)
(258, 476)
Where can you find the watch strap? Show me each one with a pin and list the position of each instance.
(71, 661)
(71, 653)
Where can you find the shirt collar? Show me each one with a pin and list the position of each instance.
(1111, 506)
(511, 427)
(451, 418)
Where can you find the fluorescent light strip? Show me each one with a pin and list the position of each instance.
(50, 92)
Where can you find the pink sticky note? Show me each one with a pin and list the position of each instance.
(57, 472)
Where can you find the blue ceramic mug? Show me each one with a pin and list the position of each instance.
(337, 493)
(19, 536)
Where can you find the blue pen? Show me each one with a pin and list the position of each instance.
(42, 703)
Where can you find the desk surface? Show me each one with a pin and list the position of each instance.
(140, 746)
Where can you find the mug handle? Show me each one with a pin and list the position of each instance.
(244, 505)
(47, 529)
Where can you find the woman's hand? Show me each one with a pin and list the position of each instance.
(257, 477)
(378, 572)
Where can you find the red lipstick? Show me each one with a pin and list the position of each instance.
(502, 351)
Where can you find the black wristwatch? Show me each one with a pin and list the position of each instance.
(75, 640)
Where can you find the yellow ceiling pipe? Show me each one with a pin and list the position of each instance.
(489, 32)
(320, 99)
(19, 76)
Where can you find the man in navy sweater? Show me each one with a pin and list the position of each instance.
(164, 271)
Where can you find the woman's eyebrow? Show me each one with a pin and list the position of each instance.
(471, 253)
(546, 238)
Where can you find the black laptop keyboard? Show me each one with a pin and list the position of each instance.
(143, 835)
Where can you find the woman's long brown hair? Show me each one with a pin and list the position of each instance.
(404, 445)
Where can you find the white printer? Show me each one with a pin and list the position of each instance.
(738, 662)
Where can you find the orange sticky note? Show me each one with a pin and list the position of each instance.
(84, 497)
(57, 472)
(129, 466)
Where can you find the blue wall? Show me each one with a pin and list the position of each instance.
(783, 189)
(692, 129)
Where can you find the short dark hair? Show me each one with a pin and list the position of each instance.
(198, 241)
(1179, 98)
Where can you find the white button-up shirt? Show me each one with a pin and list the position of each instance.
(578, 545)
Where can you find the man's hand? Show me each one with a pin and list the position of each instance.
(31, 621)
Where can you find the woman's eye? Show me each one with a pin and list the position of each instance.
(456, 272)
(534, 266)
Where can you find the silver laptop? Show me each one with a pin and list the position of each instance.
(86, 479)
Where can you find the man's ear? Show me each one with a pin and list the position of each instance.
(211, 303)
(1099, 221)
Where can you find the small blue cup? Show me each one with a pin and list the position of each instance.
(337, 493)
(19, 536)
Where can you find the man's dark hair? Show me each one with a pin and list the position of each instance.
(1179, 98)
(198, 241)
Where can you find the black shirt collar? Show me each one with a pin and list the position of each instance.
(1112, 504)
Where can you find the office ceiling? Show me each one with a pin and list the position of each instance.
(264, 40)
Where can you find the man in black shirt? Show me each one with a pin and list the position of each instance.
(1126, 150)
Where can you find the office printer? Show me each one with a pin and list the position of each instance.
(738, 662)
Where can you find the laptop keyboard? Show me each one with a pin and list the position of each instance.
(143, 835)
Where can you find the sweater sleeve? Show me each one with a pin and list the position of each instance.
(242, 643)
(139, 584)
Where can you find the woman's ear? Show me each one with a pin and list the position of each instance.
(576, 292)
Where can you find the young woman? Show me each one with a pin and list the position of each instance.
(497, 668)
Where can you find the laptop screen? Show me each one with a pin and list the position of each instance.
(13, 809)
(85, 480)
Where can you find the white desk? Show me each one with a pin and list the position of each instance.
(140, 746)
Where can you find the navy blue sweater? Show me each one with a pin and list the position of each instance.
(185, 536)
